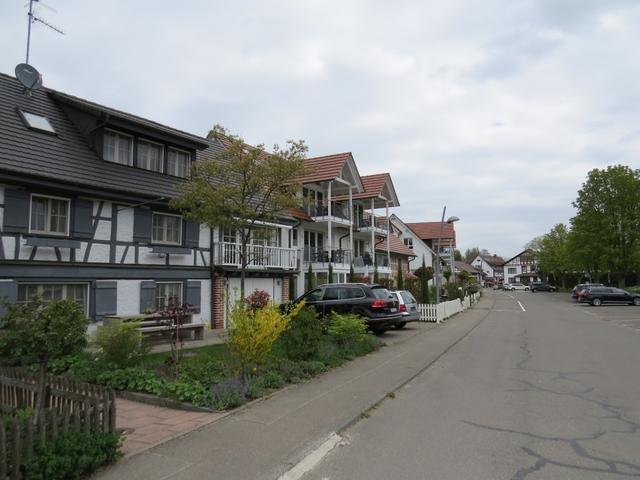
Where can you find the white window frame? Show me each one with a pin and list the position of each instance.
(42, 284)
(408, 242)
(48, 232)
(116, 150)
(164, 242)
(158, 284)
(188, 169)
(146, 140)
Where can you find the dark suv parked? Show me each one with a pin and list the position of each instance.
(596, 296)
(542, 287)
(373, 302)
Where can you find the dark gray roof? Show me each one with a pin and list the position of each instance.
(99, 109)
(66, 157)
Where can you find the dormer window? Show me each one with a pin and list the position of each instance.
(150, 155)
(118, 147)
(178, 163)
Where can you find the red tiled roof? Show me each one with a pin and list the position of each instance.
(373, 186)
(431, 230)
(300, 214)
(323, 169)
(396, 246)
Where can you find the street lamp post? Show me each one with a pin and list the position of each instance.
(438, 281)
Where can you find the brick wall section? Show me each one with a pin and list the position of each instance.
(285, 289)
(217, 302)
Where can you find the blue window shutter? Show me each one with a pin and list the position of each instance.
(8, 294)
(147, 296)
(106, 299)
(16, 211)
(193, 294)
(142, 225)
(192, 234)
(82, 213)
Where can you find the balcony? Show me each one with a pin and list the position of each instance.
(260, 257)
(338, 257)
(363, 265)
(339, 213)
(365, 225)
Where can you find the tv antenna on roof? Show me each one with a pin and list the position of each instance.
(33, 18)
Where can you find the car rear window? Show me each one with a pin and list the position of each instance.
(381, 292)
(407, 297)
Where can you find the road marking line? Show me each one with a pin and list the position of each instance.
(521, 306)
(511, 297)
(310, 461)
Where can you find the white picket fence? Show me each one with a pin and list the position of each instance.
(432, 312)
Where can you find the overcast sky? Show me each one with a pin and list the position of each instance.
(495, 108)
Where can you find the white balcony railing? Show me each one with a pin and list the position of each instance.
(258, 256)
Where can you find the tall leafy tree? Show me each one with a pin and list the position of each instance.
(457, 255)
(606, 229)
(553, 253)
(470, 254)
(242, 187)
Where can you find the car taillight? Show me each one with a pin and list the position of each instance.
(403, 308)
(379, 304)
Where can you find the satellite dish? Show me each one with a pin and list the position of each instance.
(28, 76)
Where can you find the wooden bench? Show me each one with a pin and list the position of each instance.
(156, 327)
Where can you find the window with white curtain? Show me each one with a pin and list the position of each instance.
(118, 147)
(150, 155)
(54, 291)
(168, 294)
(178, 163)
(166, 228)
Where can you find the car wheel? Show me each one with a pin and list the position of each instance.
(636, 301)
(596, 302)
(400, 325)
(526, 289)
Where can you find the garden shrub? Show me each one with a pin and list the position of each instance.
(252, 334)
(202, 369)
(186, 391)
(88, 367)
(121, 343)
(258, 299)
(300, 341)
(347, 329)
(133, 379)
(73, 455)
(227, 394)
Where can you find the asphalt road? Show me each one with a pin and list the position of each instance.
(543, 388)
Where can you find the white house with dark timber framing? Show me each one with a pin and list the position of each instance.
(84, 213)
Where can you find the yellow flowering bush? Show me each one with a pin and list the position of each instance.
(253, 332)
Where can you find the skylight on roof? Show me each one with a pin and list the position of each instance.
(37, 122)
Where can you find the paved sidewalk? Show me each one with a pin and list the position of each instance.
(269, 437)
(146, 425)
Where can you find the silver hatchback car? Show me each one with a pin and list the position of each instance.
(408, 306)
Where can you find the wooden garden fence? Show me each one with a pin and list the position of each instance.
(69, 406)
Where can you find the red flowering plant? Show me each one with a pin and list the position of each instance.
(257, 300)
